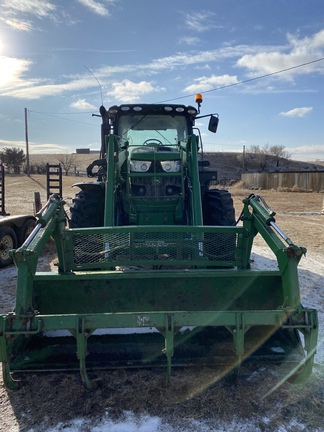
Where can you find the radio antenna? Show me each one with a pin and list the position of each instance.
(97, 82)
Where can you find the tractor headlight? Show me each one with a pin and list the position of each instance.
(171, 166)
(139, 166)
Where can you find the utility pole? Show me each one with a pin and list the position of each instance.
(244, 165)
(27, 148)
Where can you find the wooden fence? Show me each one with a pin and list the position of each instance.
(305, 180)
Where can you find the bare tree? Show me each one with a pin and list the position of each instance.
(279, 152)
(68, 161)
(260, 155)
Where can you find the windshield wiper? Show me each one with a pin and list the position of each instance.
(138, 121)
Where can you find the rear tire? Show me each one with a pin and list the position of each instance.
(26, 230)
(8, 241)
(218, 210)
(87, 209)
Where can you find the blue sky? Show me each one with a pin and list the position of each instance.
(152, 51)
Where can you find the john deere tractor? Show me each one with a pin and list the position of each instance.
(159, 176)
(152, 266)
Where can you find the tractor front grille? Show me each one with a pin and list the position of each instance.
(162, 188)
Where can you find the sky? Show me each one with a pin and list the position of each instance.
(259, 64)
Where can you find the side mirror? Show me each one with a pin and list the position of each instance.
(213, 123)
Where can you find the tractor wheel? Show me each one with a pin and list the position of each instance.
(26, 230)
(8, 241)
(218, 210)
(87, 209)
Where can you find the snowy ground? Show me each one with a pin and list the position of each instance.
(311, 280)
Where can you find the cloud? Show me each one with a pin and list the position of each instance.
(37, 88)
(14, 12)
(203, 84)
(21, 14)
(46, 148)
(178, 60)
(11, 143)
(11, 72)
(297, 112)
(189, 40)
(297, 52)
(252, 57)
(39, 8)
(200, 21)
(309, 152)
(33, 147)
(97, 7)
(82, 105)
(19, 24)
(128, 91)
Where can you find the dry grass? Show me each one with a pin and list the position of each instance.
(297, 214)
(20, 190)
(81, 161)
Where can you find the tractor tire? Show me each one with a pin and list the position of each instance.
(25, 230)
(87, 209)
(218, 210)
(8, 241)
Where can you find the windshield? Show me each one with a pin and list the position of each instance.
(163, 129)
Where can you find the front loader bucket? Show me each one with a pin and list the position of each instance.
(138, 296)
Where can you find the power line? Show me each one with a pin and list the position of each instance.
(247, 80)
(62, 118)
(188, 95)
(65, 113)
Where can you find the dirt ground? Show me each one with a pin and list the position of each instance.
(297, 214)
(49, 398)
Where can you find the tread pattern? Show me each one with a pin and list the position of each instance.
(218, 210)
(87, 209)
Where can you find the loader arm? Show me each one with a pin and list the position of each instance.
(241, 313)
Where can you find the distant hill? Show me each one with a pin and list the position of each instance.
(229, 165)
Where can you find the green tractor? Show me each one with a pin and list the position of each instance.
(157, 175)
(152, 267)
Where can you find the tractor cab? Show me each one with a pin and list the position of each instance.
(153, 160)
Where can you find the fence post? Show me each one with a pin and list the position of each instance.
(2, 192)
(37, 202)
(322, 212)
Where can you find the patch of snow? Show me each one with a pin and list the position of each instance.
(153, 424)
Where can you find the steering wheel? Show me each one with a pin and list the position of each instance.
(152, 141)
